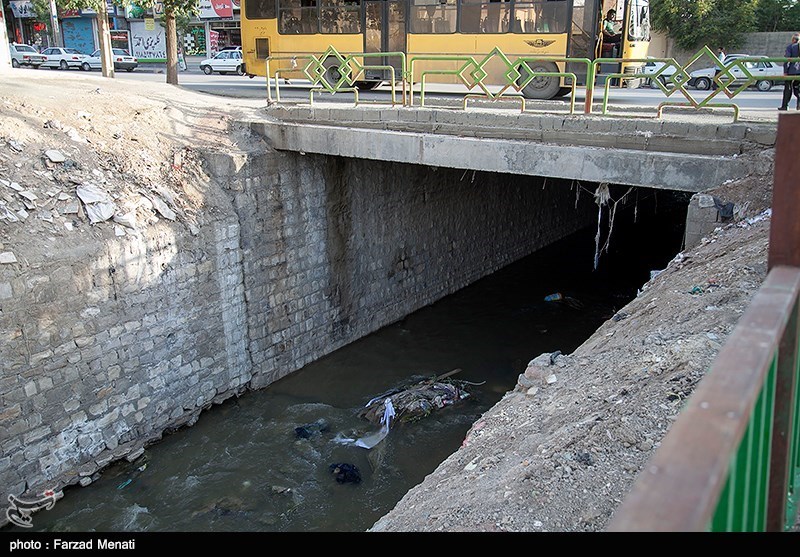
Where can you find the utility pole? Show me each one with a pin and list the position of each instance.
(54, 24)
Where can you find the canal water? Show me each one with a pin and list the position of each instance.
(242, 466)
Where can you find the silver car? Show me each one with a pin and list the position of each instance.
(25, 55)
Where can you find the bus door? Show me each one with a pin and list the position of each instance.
(584, 41)
(384, 31)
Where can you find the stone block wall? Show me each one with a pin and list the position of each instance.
(105, 348)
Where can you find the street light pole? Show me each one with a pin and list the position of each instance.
(54, 24)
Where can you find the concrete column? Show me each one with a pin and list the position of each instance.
(5, 56)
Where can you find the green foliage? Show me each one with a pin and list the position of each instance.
(770, 14)
(95, 5)
(694, 23)
(777, 15)
(175, 7)
(41, 8)
(793, 18)
(182, 23)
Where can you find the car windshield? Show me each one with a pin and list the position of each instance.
(72, 51)
(120, 52)
(25, 48)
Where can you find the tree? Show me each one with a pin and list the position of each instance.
(173, 10)
(100, 9)
(770, 14)
(694, 23)
(41, 11)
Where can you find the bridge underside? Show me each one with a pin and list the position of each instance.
(647, 152)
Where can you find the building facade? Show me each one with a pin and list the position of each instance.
(136, 29)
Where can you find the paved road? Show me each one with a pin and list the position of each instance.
(753, 104)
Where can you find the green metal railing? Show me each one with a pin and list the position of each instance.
(334, 72)
(516, 74)
(731, 461)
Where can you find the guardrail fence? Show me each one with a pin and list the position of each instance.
(334, 72)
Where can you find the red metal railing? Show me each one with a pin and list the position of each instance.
(731, 461)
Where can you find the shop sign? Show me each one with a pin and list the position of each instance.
(22, 8)
(214, 9)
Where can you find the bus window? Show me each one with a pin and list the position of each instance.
(298, 16)
(340, 16)
(479, 16)
(639, 27)
(433, 16)
(260, 9)
(541, 16)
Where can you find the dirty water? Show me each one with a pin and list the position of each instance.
(244, 467)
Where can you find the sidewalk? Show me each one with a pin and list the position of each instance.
(192, 65)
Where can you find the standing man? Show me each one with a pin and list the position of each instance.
(791, 69)
(721, 54)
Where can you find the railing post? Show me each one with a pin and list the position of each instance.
(784, 249)
(784, 235)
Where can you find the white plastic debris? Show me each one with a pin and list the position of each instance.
(162, 208)
(99, 205)
(128, 219)
(7, 257)
(55, 155)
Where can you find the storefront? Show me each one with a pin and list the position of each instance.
(216, 27)
(78, 30)
(24, 27)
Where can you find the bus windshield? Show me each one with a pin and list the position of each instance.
(639, 23)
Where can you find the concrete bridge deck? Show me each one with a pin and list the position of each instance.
(680, 152)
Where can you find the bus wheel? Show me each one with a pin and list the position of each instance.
(540, 87)
(564, 91)
(368, 85)
(332, 75)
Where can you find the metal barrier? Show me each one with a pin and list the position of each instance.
(731, 461)
(349, 67)
(518, 73)
(723, 80)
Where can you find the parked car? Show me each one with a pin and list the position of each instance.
(762, 71)
(121, 57)
(63, 58)
(226, 61)
(652, 67)
(25, 55)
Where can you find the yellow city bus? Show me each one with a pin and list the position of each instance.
(282, 29)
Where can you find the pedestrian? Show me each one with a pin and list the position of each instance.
(791, 68)
(721, 54)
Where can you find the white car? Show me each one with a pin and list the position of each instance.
(122, 61)
(25, 55)
(58, 57)
(652, 67)
(227, 61)
(762, 72)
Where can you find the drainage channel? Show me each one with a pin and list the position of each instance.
(245, 465)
